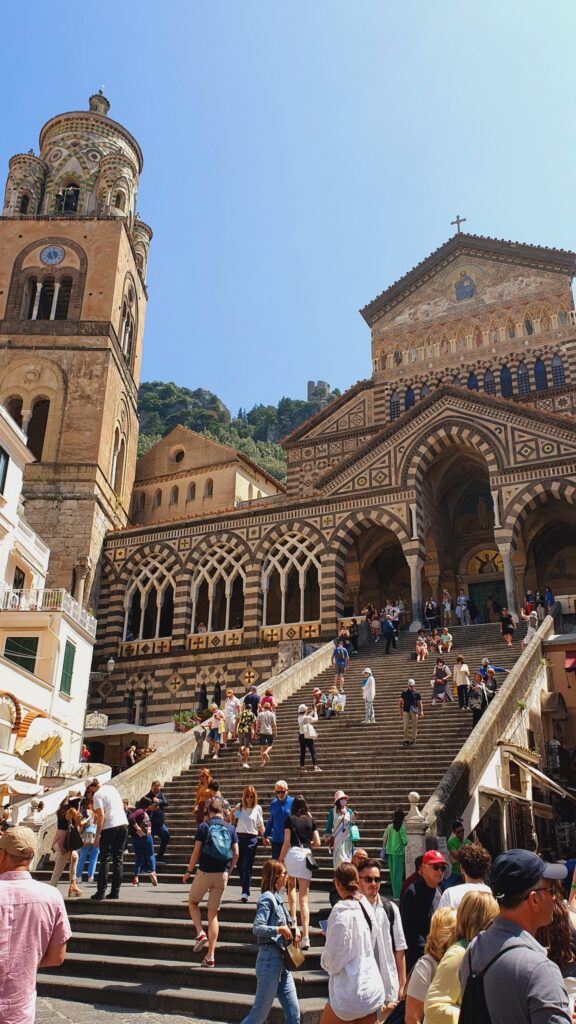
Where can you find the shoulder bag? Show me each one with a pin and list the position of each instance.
(73, 839)
(311, 862)
(293, 956)
(309, 731)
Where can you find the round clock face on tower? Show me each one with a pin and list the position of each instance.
(52, 255)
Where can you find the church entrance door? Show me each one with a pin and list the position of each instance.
(480, 592)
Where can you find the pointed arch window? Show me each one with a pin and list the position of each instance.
(511, 329)
(528, 325)
(506, 383)
(456, 382)
(149, 603)
(558, 373)
(383, 361)
(24, 205)
(218, 588)
(489, 383)
(540, 375)
(394, 405)
(424, 391)
(191, 492)
(209, 488)
(67, 198)
(138, 502)
(472, 382)
(562, 318)
(120, 201)
(523, 379)
(291, 581)
(409, 398)
(174, 496)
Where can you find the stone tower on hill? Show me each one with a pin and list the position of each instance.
(72, 308)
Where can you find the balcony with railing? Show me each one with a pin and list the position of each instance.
(48, 601)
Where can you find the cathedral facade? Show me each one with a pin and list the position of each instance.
(453, 467)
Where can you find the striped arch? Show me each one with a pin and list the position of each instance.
(446, 435)
(279, 531)
(205, 545)
(162, 553)
(532, 497)
(254, 601)
(340, 543)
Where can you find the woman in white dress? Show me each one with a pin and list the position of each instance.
(300, 836)
(337, 832)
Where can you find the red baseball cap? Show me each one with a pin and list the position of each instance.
(434, 857)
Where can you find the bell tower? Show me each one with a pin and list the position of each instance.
(72, 308)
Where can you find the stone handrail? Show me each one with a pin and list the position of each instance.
(456, 787)
(291, 679)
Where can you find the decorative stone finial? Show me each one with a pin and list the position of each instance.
(414, 813)
(99, 104)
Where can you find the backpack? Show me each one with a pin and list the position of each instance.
(218, 843)
(474, 1009)
(388, 910)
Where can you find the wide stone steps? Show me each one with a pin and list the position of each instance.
(137, 952)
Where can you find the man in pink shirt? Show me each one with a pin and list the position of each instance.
(34, 927)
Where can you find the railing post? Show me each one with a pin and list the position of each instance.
(415, 824)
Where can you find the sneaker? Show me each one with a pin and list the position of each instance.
(215, 757)
(406, 743)
(97, 896)
(113, 896)
(317, 768)
(244, 898)
(91, 880)
(245, 765)
(201, 942)
(305, 944)
(208, 962)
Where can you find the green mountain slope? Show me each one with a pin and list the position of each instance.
(256, 432)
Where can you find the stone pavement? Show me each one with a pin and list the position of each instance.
(60, 1011)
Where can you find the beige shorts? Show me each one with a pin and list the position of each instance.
(212, 883)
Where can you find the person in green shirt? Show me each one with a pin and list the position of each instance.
(454, 843)
(394, 843)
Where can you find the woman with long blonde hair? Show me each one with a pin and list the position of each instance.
(440, 937)
(249, 823)
(475, 913)
(203, 793)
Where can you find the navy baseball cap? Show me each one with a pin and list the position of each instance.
(518, 871)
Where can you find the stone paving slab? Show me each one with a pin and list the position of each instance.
(61, 1011)
(176, 893)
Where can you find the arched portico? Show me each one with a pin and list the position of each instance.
(543, 548)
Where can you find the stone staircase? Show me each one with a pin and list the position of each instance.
(137, 952)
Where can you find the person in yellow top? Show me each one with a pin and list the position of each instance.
(475, 913)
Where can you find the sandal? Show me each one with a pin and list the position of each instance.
(208, 962)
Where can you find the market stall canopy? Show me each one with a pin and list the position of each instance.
(540, 779)
(11, 766)
(43, 735)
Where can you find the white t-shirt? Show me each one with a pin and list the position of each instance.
(421, 978)
(249, 820)
(453, 896)
(383, 949)
(109, 800)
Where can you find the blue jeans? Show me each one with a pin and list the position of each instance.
(164, 836)
(89, 853)
(144, 854)
(273, 980)
(248, 846)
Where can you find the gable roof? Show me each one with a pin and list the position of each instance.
(559, 260)
(186, 436)
(422, 410)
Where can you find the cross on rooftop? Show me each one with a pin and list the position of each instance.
(459, 220)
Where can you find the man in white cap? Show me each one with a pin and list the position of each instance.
(306, 735)
(368, 694)
(411, 709)
(34, 927)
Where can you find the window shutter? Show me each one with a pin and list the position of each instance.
(67, 668)
(21, 650)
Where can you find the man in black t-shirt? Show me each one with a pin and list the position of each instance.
(410, 709)
(252, 700)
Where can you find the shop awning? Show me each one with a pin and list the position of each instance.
(42, 734)
(17, 788)
(541, 779)
(11, 766)
(497, 793)
(570, 661)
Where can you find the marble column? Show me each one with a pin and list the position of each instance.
(509, 581)
(416, 563)
(81, 568)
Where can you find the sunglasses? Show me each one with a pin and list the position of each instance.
(373, 879)
(437, 867)
(280, 791)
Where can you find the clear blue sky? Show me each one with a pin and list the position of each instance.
(300, 156)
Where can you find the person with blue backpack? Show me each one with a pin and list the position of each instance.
(215, 852)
